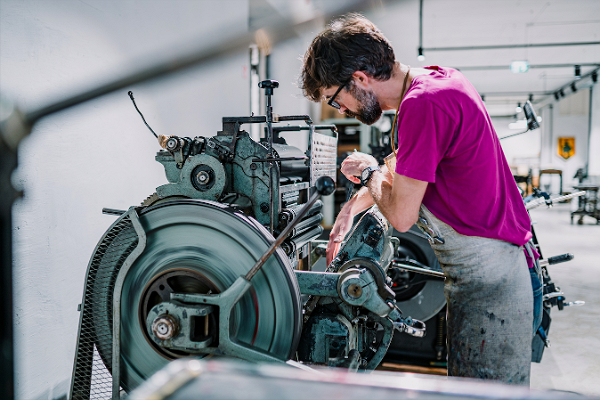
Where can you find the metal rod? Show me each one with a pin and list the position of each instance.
(277, 33)
(539, 202)
(514, 134)
(282, 236)
(419, 270)
(271, 165)
(421, 27)
(509, 46)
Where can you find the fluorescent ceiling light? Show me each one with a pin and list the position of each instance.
(518, 67)
(520, 124)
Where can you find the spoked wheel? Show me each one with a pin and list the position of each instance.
(201, 247)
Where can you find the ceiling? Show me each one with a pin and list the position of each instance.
(466, 34)
(471, 23)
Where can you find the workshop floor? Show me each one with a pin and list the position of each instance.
(572, 363)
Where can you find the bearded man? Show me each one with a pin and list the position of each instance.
(450, 178)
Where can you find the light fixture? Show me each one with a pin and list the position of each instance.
(562, 93)
(519, 124)
(578, 72)
(594, 77)
(556, 96)
(519, 67)
(483, 97)
(519, 108)
(530, 96)
(421, 57)
(573, 87)
(533, 122)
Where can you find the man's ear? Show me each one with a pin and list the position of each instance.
(361, 79)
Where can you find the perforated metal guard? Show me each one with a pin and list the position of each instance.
(323, 157)
(93, 357)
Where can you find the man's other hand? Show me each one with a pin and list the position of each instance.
(354, 165)
(342, 226)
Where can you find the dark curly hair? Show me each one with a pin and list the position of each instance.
(350, 43)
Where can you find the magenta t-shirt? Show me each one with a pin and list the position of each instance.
(446, 138)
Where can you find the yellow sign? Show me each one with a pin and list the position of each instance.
(566, 147)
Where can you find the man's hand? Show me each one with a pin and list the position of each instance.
(342, 226)
(355, 163)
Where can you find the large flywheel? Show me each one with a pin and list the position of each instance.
(202, 247)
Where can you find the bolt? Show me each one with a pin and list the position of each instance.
(172, 144)
(354, 290)
(253, 166)
(264, 207)
(203, 177)
(165, 327)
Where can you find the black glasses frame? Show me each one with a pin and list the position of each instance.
(331, 102)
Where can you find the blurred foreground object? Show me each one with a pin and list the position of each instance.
(229, 379)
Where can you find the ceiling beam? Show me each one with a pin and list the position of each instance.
(506, 67)
(509, 46)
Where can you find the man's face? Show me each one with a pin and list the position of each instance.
(366, 104)
(368, 107)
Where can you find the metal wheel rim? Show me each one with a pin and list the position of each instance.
(205, 237)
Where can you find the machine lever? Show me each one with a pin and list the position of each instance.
(577, 303)
(411, 327)
(552, 295)
(325, 186)
(558, 259)
(112, 211)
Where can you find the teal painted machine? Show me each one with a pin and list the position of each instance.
(217, 262)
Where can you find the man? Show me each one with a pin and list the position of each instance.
(450, 177)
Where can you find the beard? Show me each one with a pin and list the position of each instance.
(369, 109)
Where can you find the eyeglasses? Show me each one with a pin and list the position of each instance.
(332, 101)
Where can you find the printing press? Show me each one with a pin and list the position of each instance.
(217, 262)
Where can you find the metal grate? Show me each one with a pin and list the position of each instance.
(323, 161)
(93, 357)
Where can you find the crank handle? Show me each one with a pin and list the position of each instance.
(411, 326)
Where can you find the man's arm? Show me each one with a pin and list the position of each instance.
(343, 223)
(398, 199)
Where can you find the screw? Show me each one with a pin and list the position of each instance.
(264, 207)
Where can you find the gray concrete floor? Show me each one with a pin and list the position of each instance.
(572, 363)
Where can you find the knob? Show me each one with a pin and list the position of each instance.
(325, 185)
(268, 85)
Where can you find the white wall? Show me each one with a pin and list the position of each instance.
(568, 118)
(99, 154)
(538, 149)
(522, 151)
(594, 149)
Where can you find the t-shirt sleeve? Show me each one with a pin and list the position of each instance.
(424, 134)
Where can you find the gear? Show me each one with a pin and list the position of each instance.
(153, 198)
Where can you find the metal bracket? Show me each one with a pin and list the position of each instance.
(118, 288)
(225, 301)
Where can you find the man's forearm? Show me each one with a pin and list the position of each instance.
(397, 198)
(361, 201)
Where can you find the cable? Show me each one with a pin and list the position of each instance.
(130, 93)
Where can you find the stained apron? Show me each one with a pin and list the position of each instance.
(490, 303)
